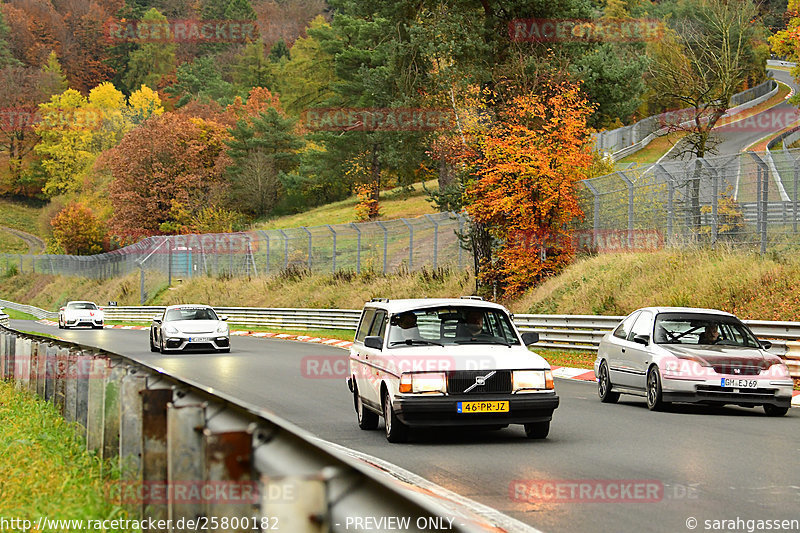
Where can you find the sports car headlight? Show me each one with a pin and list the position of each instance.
(532, 380)
(223, 328)
(170, 330)
(423, 382)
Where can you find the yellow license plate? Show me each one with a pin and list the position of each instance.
(482, 407)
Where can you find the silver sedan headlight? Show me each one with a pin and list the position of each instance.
(532, 380)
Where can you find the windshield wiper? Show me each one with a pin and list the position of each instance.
(484, 341)
(411, 342)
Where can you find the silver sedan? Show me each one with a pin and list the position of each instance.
(183, 327)
(676, 354)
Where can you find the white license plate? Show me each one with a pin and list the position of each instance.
(199, 339)
(739, 383)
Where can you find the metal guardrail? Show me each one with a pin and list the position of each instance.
(216, 456)
(582, 332)
(3, 318)
(30, 309)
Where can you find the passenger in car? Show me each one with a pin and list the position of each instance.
(407, 327)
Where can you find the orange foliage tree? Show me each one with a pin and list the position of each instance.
(527, 166)
(77, 231)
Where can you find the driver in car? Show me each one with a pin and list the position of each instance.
(710, 335)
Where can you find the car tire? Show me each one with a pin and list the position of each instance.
(396, 431)
(537, 430)
(604, 386)
(774, 410)
(153, 347)
(161, 346)
(655, 398)
(367, 420)
(60, 326)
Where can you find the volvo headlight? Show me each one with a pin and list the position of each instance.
(423, 382)
(532, 380)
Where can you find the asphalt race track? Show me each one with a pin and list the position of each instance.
(706, 463)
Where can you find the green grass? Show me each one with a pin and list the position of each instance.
(13, 314)
(11, 244)
(654, 150)
(394, 204)
(570, 358)
(46, 470)
(20, 215)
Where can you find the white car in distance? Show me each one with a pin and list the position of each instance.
(189, 326)
(80, 313)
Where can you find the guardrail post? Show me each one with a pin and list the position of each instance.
(130, 427)
(385, 243)
(62, 355)
(22, 362)
(228, 459)
(39, 374)
(50, 370)
(84, 368)
(307, 509)
(154, 447)
(33, 370)
(112, 410)
(71, 387)
(95, 401)
(185, 466)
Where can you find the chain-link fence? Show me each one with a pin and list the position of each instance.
(383, 246)
(744, 199)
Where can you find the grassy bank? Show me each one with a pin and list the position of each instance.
(752, 286)
(46, 471)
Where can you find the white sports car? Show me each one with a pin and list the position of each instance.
(183, 327)
(75, 314)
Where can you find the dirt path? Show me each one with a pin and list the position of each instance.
(35, 244)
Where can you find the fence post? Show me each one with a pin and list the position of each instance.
(141, 284)
(385, 243)
(596, 215)
(169, 262)
(358, 246)
(266, 235)
(762, 192)
(333, 255)
(629, 184)
(309, 245)
(410, 243)
(285, 249)
(670, 200)
(435, 241)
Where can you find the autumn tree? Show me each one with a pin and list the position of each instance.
(526, 170)
(786, 42)
(77, 231)
(263, 149)
(169, 158)
(151, 62)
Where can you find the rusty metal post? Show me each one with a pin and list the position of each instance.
(130, 427)
(111, 410)
(33, 370)
(228, 459)
(71, 387)
(84, 370)
(22, 362)
(95, 402)
(60, 387)
(154, 448)
(49, 376)
(185, 465)
(296, 503)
